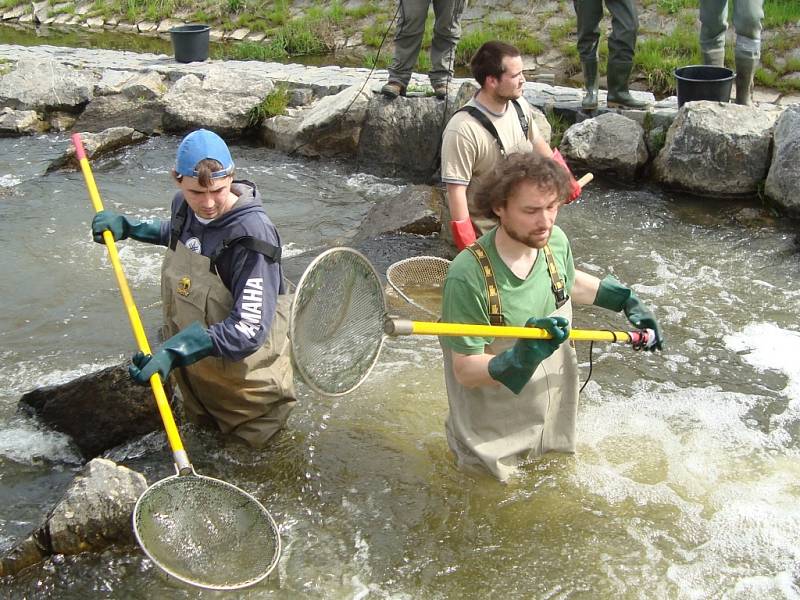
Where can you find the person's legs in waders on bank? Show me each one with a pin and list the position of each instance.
(411, 18)
(621, 47)
(747, 18)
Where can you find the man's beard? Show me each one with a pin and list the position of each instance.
(529, 240)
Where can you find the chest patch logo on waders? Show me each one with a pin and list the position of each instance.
(184, 285)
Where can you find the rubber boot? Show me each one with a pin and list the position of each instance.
(745, 69)
(618, 94)
(714, 58)
(590, 84)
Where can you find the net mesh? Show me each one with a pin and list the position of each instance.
(206, 532)
(419, 281)
(337, 321)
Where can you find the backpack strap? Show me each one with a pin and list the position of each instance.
(177, 224)
(272, 253)
(559, 290)
(495, 308)
(523, 120)
(480, 117)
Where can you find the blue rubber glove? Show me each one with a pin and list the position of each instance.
(612, 295)
(184, 348)
(514, 367)
(121, 227)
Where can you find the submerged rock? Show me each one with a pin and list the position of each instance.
(98, 144)
(98, 411)
(94, 513)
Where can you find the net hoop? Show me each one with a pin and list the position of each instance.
(305, 288)
(434, 270)
(234, 493)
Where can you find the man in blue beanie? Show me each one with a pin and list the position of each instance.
(224, 298)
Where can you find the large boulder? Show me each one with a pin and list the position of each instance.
(20, 122)
(215, 102)
(329, 127)
(401, 136)
(118, 110)
(98, 411)
(98, 144)
(783, 183)
(46, 85)
(717, 150)
(414, 211)
(609, 143)
(94, 513)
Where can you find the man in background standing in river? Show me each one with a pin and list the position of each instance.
(224, 298)
(496, 122)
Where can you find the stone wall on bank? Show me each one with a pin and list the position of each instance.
(339, 112)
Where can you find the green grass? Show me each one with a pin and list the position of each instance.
(509, 30)
(658, 57)
(778, 13)
(383, 60)
(671, 7)
(558, 126)
(373, 34)
(273, 105)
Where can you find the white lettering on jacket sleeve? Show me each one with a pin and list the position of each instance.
(252, 298)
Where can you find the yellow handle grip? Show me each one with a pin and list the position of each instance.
(179, 454)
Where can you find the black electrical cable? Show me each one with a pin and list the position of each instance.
(589, 376)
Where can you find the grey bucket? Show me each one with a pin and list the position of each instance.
(704, 82)
(190, 42)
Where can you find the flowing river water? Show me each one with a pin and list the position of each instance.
(685, 479)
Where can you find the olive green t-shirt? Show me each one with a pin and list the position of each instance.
(465, 298)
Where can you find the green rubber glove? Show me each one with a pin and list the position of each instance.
(612, 295)
(514, 367)
(121, 227)
(184, 348)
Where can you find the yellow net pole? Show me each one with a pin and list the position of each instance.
(179, 454)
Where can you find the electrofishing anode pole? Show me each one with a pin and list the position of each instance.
(640, 338)
(178, 452)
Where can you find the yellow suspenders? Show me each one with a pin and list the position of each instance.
(495, 306)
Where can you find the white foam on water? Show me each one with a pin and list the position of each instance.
(8, 181)
(766, 346)
(26, 375)
(373, 186)
(25, 444)
(292, 249)
(696, 450)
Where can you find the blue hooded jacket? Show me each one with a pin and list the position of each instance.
(248, 275)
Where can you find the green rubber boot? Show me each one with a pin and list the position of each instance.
(590, 84)
(618, 94)
(745, 69)
(714, 58)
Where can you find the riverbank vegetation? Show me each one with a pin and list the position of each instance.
(543, 31)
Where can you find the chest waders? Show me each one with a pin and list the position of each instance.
(249, 398)
(492, 427)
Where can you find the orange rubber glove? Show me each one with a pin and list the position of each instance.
(463, 233)
(576, 188)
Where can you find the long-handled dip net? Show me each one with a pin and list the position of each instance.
(419, 280)
(339, 323)
(200, 530)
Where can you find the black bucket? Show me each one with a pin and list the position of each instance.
(190, 42)
(704, 82)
